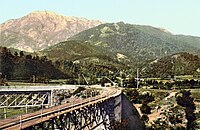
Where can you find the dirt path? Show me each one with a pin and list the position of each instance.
(156, 113)
(172, 94)
(197, 106)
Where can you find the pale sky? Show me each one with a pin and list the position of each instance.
(177, 16)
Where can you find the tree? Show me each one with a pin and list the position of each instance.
(132, 94)
(145, 108)
(29, 57)
(145, 118)
(21, 54)
(185, 100)
(146, 98)
(16, 54)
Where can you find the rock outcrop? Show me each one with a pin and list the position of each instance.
(41, 29)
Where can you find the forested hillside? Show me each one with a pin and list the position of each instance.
(177, 64)
(77, 58)
(26, 67)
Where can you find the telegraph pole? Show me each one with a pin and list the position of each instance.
(85, 80)
(79, 79)
(137, 78)
(121, 79)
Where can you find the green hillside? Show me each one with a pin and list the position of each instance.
(76, 50)
(22, 66)
(177, 64)
(137, 41)
(76, 58)
(119, 47)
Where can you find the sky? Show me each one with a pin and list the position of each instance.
(177, 16)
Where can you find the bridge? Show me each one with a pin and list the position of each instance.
(29, 96)
(101, 111)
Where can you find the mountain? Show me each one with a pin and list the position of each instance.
(76, 57)
(120, 47)
(176, 64)
(139, 42)
(41, 29)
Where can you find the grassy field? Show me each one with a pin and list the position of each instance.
(161, 93)
(25, 83)
(11, 112)
(195, 94)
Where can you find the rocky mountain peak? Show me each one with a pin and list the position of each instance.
(40, 29)
(164, 30)
(42, 15)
